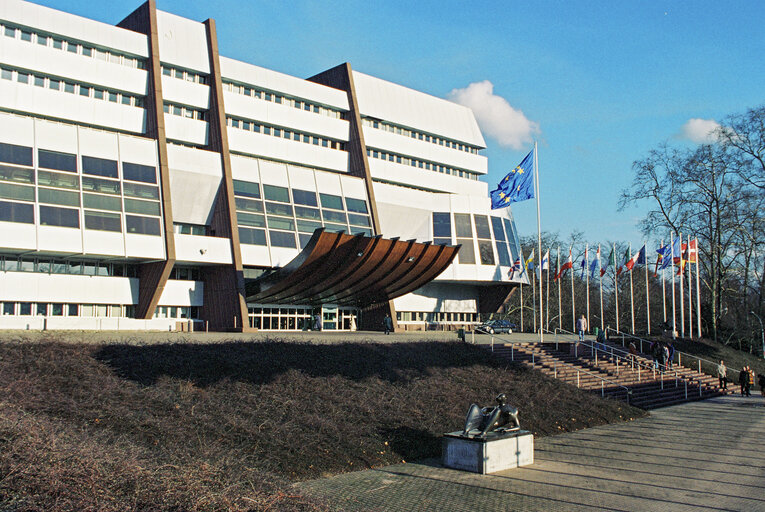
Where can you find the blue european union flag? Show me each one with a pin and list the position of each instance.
(517, 186)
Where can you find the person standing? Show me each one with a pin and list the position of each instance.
(388, 324)
(749, 380)
(722, 375)
(581, 326)
(743, 379)
(761, 382)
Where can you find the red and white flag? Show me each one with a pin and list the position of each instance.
(566, 266)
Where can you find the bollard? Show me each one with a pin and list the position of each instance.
(492, 343)
(686, 389)
(699, 367)
(555, 369)
(675, 379)
(532, 359)
(577, 378)
(512, 353)
(602, 390)
(678, 359)
(472, 336)
(662, 380)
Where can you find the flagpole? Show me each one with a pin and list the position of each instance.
(682, 292)
(521, 306)
(560, 313)
(587, 271)
(600, 277)
(698, 291)
(573, 298)
(632, 298)
(534, 295)
(663, 287)
(547, 299)
(690, 292)
(672, 257)
(647, 295)
(616, 287)
(539, 239)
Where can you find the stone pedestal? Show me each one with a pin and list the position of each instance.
(495, 452)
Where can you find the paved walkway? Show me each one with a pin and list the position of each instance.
(707, 455)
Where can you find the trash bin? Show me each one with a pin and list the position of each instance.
(461, 335)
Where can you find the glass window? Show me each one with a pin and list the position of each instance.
(17, 212)
(137, 172)
(99, 167)
(54, 84)
(247, 189)
(72, 310)
(358, 220)
(512, 239)
(9, 308)
(87, 51)
(331, 201)
(13, 154)
(42, 40)
(307, 226)
(463, 225)
(330, 216)
(41, 309)
(486, 251)
(356, 205)
(25, 308)
(22, 77)
(496, 224)
(361, 231)
(335, 228)
(252, 236)
(56, 160)
(63, 197)
(69, 87)
(305, 197)
(504, 256)
(17, 174)
(282, 239)
(249, 219)
(248, 205)
(26, 265)
(142, 207)
(482, 227)
(39, 81)
(99, 185)
(281, 223)
(18, 192)
(442, 225)
(467, 252)
(84, 91)
(141, 191)
(142, 225)
(98, 94)
(307, 213)
(64, 217)
(57, 43)
(279, 209)
(112, 96)
(100, 202)
(274, 193)
(102, 221)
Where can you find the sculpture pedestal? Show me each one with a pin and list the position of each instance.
(495, 452)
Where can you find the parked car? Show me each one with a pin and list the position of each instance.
(497, 327)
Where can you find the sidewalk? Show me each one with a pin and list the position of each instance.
(707, 455)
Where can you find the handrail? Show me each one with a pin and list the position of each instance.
(678, 352)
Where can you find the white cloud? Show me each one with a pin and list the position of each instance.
(496, 117)
(700, 131)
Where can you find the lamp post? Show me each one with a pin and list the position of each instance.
(762, 333)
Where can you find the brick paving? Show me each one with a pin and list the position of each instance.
(707, 455)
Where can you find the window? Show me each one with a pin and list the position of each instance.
(54, 84)
(307, 226)
(112, 96)
(466, 254)
(307, 213)
(102, 221)
(247, 189)
(305, 197)
(356, 205)
(250, 219)
(337, 217)
(18, 192)
(55, 160)
(442, 228)
(279, 209)
(99, 167)
(142, 225)
(22, 77)
(141, 191)
(12, 154)
(463, 225)
(282, 239)
(499, 233)
(358, 220)
(10, 32)
(100, 202)
(504, 256)
(62, 197)
(84, 91)
(486, 252)
(99, 185)
(252, 236)
(482, 227)
(275, 193)
(137, 172)
(248, 205)
(281, 223)
(141, 207)
(331, 201)
(63, 217)
(17, 174)
(17, 212)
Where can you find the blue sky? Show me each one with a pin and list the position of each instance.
(604, 81)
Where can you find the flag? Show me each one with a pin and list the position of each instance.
(662, 260)
(517, 186)
(637, 259)
(557, 267)
(583, 264)
(566, 266)
(625, 259)
(530, 261)
(595, 263)
(515, 268)
(611, 261)
(546, 261)
(693, 251)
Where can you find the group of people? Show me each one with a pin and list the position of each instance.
(662, 354)
(745, 379)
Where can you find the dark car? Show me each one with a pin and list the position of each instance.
(497, 327)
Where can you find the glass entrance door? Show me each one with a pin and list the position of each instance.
(329, 318)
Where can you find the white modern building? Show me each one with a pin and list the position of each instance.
(146, 182)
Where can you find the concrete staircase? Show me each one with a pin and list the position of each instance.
(612, 377)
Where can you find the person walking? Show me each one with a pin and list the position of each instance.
(722, 375)
(743, 379)
(388, 324)
(581, 326)
(671, 350)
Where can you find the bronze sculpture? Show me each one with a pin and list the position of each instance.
(491, 419)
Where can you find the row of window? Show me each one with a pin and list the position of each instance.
(183, 74)
(189, 229)
(425, 316)
(11, 263)
(187, 112)
(70, 310)
(302, 318)
(400, 130)
(179, 312)
(60, 43)
(252, 126)
(505, 238)
(422, 164)
(294, 102)
(251, 189)
(38, 79)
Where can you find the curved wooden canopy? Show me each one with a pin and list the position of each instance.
(351, 270)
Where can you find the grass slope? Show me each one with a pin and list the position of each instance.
(228, 426)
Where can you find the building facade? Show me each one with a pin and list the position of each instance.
(145, 179)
